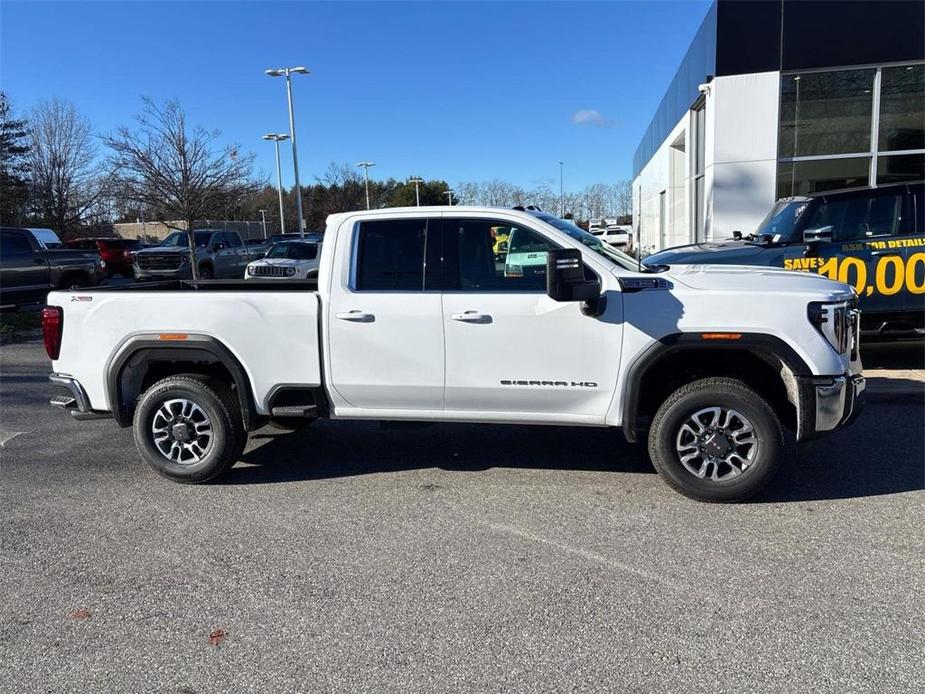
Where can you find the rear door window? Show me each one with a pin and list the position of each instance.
(390, 254)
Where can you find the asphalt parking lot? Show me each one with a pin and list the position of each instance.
(349, 557)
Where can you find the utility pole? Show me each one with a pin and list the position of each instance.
(561, 192)
(449, 196)
(263, 221)
(287, 71)
(366, 165)
(417, 191)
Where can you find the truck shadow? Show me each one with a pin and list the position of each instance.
(880, 454)
(330, 449)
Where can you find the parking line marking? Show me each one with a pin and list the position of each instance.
(591, 556)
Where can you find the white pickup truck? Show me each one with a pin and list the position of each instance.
(414, 317)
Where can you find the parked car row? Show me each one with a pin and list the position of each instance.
(219, 254)
(34, 261)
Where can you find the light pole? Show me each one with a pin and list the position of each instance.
(263, 222)
(417, 192)
(561, 194)
(287, 71)
(449, 196)
(366, 165)
(277, 138)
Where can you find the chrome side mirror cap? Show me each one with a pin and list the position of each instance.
(818, 235)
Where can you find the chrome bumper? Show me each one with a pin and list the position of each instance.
(837, 401)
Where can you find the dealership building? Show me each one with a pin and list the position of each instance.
(781, 98)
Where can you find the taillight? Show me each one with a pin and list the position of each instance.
(52, 327)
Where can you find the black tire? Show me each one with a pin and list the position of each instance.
(216, 400)
(206, 273)
(681, 406)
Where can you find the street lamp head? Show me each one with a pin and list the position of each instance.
(283, 71)
(366, 164)
(278, 137)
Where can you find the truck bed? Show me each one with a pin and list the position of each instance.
(271, 329)
(214, 285)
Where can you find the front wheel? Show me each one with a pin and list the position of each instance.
(716, 440)
(189, 428)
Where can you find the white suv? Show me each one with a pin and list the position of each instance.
(288, 260)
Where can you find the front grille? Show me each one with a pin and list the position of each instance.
(166, 261)
(269, 271)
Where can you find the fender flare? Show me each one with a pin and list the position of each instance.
(754, 343)
(149, 348)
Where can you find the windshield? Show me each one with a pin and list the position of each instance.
(594, 243)
(781, 221)
(178, 239)
(294, 251)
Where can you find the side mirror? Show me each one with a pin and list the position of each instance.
(565, 280)
(737, 236)
(821, 234)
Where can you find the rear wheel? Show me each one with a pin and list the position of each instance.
(716, 440)
(206, 273)
(189, 428)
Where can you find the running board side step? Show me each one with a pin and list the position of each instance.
(295, 411)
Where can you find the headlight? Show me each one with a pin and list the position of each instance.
(250, 270)
(184, 259)
(290, 271)
(838, 323)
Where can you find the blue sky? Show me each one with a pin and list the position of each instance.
(455, 90)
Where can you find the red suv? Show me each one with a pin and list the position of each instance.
(115, 252)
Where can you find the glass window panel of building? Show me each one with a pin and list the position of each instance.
(902, 108)
(826, 112)
(830, 114)
(818, 175)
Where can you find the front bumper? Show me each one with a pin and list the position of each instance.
(828, 404)
(76, 401)
(162, 274)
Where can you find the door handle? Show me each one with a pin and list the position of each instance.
(357, 316)
(887, 252)
(471, 317)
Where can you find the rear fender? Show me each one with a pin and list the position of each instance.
(126, 370)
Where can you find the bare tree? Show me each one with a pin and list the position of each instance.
(623, 197)
(66, 178)
(165, 165)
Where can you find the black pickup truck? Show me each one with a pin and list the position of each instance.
(28, 270)
(871, 238)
